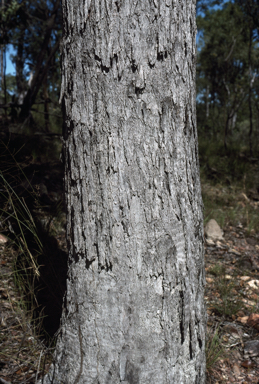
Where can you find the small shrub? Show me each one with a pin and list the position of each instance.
(229, 305)
(217, 270)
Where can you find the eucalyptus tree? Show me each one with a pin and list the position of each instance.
(134, 308)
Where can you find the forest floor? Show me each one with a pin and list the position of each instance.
(232, 276)
(232, 292)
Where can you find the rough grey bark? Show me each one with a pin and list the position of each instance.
(134, 310)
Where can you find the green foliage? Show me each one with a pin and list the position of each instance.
(8, 21)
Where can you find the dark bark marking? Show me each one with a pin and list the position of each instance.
(200, 342)
(139, 91)
(167, 183)
(71, 234)
(190, 342)
(131, 90)
(166, 350)
(198, 377)
(181, 315)
(104, 68)
(161, 56)
(185, 48)
(132, 373)
(199, 231)
(134, 67)
(112, 375)
(114, 59)
(67, 128)
(186, 123)
(118, 4)
(88, 263)
(125, 226)
(143, 110)
(107, 267)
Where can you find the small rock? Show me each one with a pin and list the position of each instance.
(210, 242)
(248, 364)
(242, 319)
(228, 277)
(233, 330)
(220, 245)
(43, 189)
(235, 252)
(3, 239)
(253, 321)
(249, 302)
(240, 313)
(236, 354)
(245, 278)
(236, 370)
(251, 348)
(254, 284)
(213, 231)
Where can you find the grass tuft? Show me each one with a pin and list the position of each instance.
(214, 350)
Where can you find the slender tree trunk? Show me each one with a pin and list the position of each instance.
(250, 91)
(250, 121)
(46, 105)
(207, 101)
(2, 74)
(3, 92)
(226, 131)
(134, 310)
(19, 68)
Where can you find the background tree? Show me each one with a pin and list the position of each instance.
(34, 30)
(250, 9)
(226, 70)
(134, 310)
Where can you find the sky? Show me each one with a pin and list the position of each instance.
(9, 65)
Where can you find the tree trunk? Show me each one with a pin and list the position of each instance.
(2, 55)
(19, 67)
(250, 90)
(134, 310)
(207, 101)
(46, 105)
